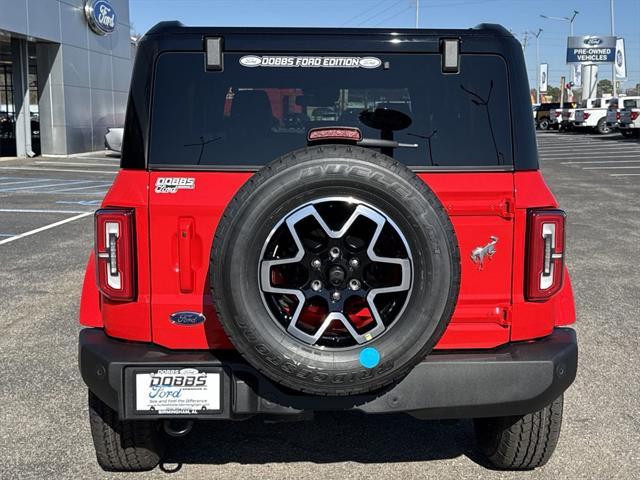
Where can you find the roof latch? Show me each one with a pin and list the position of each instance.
(450, 50)
(213, 47)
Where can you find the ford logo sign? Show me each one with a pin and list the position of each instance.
(250, 61)
(101, 16)
(370, 62)
(187, 318)
(592, 41)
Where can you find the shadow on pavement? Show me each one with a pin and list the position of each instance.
(330, 438)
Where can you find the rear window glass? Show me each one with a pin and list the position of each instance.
(630, 103)
(248, 116)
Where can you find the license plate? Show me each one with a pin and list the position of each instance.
(180, 391)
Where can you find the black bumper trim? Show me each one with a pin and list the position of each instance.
(515, 379)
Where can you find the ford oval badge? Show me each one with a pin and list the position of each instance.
(187, 318)
(592, 41)
(101, 16)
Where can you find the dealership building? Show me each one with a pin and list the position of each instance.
(65, 67)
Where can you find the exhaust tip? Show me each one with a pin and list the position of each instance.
(178, 428)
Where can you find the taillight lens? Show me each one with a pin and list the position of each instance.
(617, 115)
(634, 115)
(115, 253)
(586, 115)
(545, 254)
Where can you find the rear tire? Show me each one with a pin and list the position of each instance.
(520, 442)
(602, 127)
(543, 124)
(123, 446)
(264, 336)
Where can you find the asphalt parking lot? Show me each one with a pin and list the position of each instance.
(46, 233)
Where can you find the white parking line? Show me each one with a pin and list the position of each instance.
(2, 184)
(624, 174)
(607, 167)
(46, 227)
(591, 149)
(600, 161)
(28, 210)
(33, 187)
(556, 157)
(83, 188)
(40, 169)
(74, 164)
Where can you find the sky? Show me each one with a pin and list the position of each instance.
(519, 16)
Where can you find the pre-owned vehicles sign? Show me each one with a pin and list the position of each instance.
(591, 49)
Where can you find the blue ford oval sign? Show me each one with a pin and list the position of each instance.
(101, 16)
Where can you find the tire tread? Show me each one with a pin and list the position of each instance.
(123, 446)
(521, 443)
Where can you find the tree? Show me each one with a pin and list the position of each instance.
(604, 86)
(554, 93)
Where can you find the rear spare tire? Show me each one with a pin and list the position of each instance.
(335, 270)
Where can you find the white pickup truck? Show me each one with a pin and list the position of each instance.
(629, 121)
(593, 114)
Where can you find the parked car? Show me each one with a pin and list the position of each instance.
(629, 123)
(113, 139)
(593, 115)
(565, 116)
(544, 113)
(380, 265)
(613, 114)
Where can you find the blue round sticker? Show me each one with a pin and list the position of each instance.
(369, 357)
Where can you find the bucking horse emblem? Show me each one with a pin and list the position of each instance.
(480, 254)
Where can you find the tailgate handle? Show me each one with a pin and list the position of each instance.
(185, 237)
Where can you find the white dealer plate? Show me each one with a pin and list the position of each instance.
(184, 391)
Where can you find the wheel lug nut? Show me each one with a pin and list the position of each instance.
(334, 252)
(354, 263)
(335, 296)
(316, 263)
(316, 285)
(354, 284)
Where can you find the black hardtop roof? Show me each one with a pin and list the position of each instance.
(176, 28)
(484, 39)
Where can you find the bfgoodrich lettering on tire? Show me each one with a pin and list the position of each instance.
(334, 270)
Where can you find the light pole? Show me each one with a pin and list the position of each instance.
(537, 35)
(417, 13)
(570, 20)
(613, 65)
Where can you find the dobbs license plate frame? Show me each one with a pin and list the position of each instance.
(169, 391)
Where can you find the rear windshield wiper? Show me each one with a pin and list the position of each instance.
(379, 143)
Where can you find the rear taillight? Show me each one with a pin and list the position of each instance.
(617, 115)
(634, 115)
(545, 254)
(115, 253)
(586, 115)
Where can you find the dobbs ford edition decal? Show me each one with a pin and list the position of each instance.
(285, 61)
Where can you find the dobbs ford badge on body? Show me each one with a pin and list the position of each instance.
(101, 16)
(285, 61)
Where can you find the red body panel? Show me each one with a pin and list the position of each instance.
(129, 320)
(176, 231)
(90, 314)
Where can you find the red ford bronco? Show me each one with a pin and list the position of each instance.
(320, 220)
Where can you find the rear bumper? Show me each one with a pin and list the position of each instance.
(514, 379)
